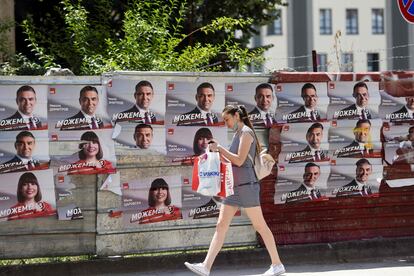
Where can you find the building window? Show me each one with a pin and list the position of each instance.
(256, 40)
(351, 21)
(373, 62)
(377, 21)
(325, 21)
(322, 62)
(275, 27)
(347, 62)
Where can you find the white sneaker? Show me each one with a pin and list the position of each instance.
(198, 269)
(275, 270)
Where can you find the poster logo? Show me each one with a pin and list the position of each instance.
(407, 10)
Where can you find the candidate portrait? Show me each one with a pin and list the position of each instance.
(405, 113)
(25, 145)
(202, 114)
(308, 112)
(140, 112)
(262, 115)
(86, 118)
(358, 187)
(307, 191)
(405, 151)
(24, 118)
(143, 136)
(313, 150)
(361, 145)
(358, 110)
(29, 199)
(159, 204)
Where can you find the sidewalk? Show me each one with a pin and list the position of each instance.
(310, 258)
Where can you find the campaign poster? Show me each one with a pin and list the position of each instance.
(184, 144)
(67, 205)
(83, 152)
(396, 109)
(151, 199)
(305, 142)
(195, 103)
(353, 100)
(198, 206)
(26, 195)
(360, 179)
(77, 107)
(139, 139)
(305, 182)
(24, 150)
(259, 99)
(301, 102)
(23, 107)
(355, 138)
(399, 144)
(136, 100)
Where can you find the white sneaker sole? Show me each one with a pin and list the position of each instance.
(191, 267)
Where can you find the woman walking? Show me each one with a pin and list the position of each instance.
(246, 191)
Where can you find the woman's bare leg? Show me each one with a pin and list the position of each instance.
(227, 213)
(255, 215)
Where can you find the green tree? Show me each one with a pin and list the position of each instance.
(152, 38)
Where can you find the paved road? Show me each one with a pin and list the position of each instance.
(382, 268)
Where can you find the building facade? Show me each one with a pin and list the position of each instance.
(350, 35)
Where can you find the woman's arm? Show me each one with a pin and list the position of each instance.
(244, 146)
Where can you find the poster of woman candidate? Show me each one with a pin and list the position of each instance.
(152, 199)
(356, 138)
(77, 107)
(360, 179)
(305, 142)
(24, 150)
(136, 100)
(26, 195)
(183, 144)
(300, 183)
(23, 107)
(195, 103)
(83, 152)
(301, 102)
(353, 100)
(258, 98)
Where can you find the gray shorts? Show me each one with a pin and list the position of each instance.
(245, 195)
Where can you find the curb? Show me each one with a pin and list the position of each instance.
(338, 252)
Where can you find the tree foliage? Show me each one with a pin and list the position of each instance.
(153, 36)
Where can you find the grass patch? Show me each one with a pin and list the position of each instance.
(64, 259)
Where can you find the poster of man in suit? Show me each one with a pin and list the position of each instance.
(361, 179)
(23, 107)
(141, 96)
(258, 98)
(85, 105)
(305, 182)
(24, 151)
(356, 138)
(195, 103)
(301, 102)
(304, 142)
(353, 100)
(399, 144)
